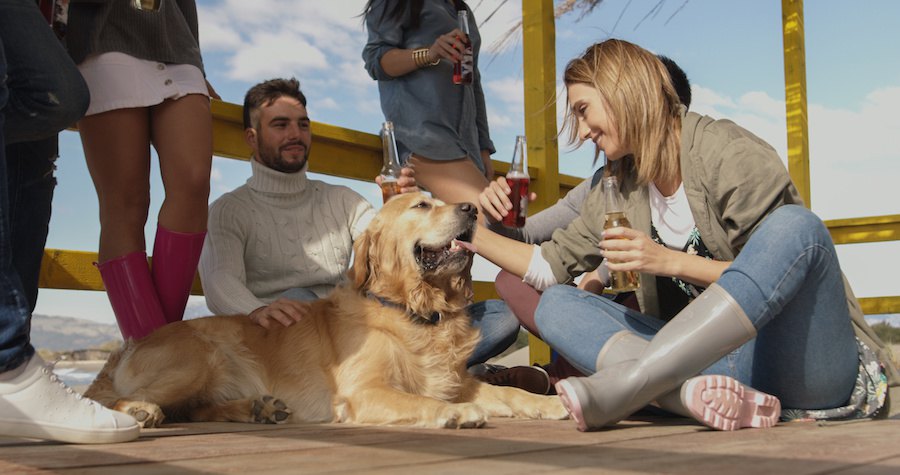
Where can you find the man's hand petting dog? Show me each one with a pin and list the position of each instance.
(284, 311)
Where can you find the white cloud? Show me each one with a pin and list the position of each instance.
(274, 54)
(268, 38)
(498, 120)
(326, 103)
(215, 174)
(500, 22)
(761, 103)
(509, 89)
(704, 100)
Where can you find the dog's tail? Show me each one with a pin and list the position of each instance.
(102, 389)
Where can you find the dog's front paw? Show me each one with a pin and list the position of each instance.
(462, 416)
(269, 410)
(147, 414)
(549, 407)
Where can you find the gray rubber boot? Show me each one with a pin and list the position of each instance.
(707, 329)
(625, 346)
(717, 401)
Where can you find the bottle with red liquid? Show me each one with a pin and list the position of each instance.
(464, 69)
(390, 172)
(518, 180)
(619, 281)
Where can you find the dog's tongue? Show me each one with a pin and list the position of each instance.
(465, 245)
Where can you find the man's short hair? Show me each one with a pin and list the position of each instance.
(267, 92)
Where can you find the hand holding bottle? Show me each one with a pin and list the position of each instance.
(448, 46)
(406, 181)
(621, 279)
(495, 200)
(628, 249)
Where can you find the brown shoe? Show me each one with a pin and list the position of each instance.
(530, 378)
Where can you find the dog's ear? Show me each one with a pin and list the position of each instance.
(359, 273)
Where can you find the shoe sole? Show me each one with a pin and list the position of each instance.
(570, 401)
(46, 431)
(722, 403)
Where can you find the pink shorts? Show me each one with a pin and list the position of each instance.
(119, 81)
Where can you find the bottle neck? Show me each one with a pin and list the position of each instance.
(611, 195)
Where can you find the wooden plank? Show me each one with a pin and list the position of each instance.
(649, 445)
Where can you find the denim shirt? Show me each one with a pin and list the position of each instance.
(433, 117)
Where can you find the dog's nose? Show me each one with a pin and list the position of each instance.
(468, 209)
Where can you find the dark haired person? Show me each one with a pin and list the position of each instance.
(441, 127)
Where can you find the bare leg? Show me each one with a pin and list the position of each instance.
(451, 181)
(117, 148)
(182, 136)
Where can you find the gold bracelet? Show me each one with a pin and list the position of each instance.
(421, 58)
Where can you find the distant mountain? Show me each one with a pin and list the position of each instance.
(69, 334)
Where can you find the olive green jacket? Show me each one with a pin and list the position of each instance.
(732, 179)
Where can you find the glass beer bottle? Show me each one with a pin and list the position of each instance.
(463, 70)
(390, 172)
(518, 181)
(146, 5)
(619, 281)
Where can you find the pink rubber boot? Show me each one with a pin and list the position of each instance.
(132, 295)
(175, 258)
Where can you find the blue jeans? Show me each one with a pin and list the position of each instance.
(46, 91)
(300, 294)
(786, 279)
(41, 93)
(30, 176)
(498, 326)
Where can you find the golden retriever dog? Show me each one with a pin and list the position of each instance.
(389, 346)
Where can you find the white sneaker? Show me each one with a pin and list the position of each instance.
(36, 404)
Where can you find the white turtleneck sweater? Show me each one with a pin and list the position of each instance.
(277, 232)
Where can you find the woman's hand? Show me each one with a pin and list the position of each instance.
(495, 202)
(627, 249)
(448, 46)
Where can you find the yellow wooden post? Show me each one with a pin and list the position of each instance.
(539, 65)
(795, 96)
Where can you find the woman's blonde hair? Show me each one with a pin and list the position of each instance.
(638, 93)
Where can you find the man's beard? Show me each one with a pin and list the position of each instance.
(273, 159)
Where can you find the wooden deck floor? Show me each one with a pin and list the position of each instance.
(505, 446)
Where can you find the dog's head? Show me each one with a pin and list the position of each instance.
(415, 251)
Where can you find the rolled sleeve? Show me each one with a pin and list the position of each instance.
(385, 34)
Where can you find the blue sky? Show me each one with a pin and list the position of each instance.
(730, 49)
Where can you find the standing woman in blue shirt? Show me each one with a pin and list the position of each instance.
(441, 127)
(141, 61)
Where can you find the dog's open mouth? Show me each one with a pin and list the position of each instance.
(430, 257)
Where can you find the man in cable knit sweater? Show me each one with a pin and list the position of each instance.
(282, 238)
